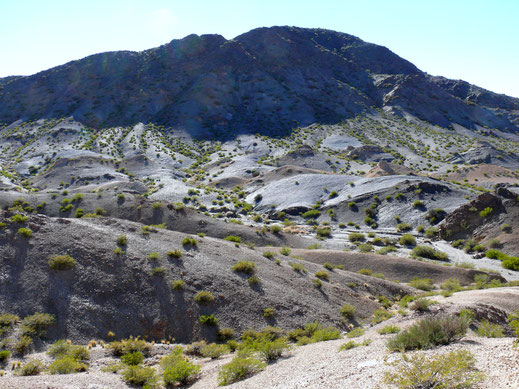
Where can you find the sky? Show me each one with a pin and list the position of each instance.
(476, 40)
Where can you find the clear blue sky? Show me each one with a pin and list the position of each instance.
(474, 40)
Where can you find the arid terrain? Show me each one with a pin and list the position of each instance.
(238, 220)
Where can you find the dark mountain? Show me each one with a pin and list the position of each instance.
(266, 80)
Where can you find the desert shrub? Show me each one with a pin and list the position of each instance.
(311, 214)
(241, 367)
(23, 345)
(181, 372)
(140, 376)
(457, 244)
(194, 349)
(204, 297)
(355, 237)
(7, 320)
(208, 320)
(285, 251)
(386, 250)
(275, 228)
(422, 284)
(122, 240)
(389, 329)
(132, 359)
(174, 253)
(451, 285)
(269, 312)
(421, 305)
(31, 367)
(26, 232)
(130, 345)
(268, 254)
(455, 369)
(178, 284)
(490, 330)
(323, 232)
(246, 267)
(348, 345)
(18, 218)
(224, 334)
(323, 334)
(380, 315)
(431, 232)
(418, 204)
(356, 332)
(118, 251)
(429, 332)
(384, 301)
(214, 351)
(495, 254)
(506, 228)
(188, 241)
(62, 262)
(402, 227)
(429, 252)
(323, 275)
(366, 272)
(420, 229)
(365, 248)
(66, 365)
(486, 212)
(253, 280)
(232, 238)
(36, 325)
(4, 355)
(154, 256)
(317, 283)
(347, 311)
(298, 267)
(495, 244)
(511, 263)
(407, 240)
(436, 215)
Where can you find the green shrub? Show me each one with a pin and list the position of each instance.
(204, 297)
(23, 345)
(122, 240)
(431, 232)
(178, 284)
(298, 267)
(246, 267)
(208, 320)
(132, 359)
(4, 355)
(506, 228)
(30, 368)
(355, 237)
(154, 256)
(118, 251)
(421, 305)
(224, 334)
(402, 227)
(26, 232)
(18, 218)
(232, 238)
(66, 365)
(62, 262)
(407, 240)
(380, 315)
(311, 214)
(285, 251)
(253, 280)
(323, 275)
(140, 376)
(188, 241)
(451, 285)
(365, 248)
(268, 254)
(269, 312)
(490, 330)
(356, 332)
(389, 329)
(214, 351)
(174, 254)
(429, 252)
(418, 204)
(486, 212)
(365, 272)
(386, 250)
(422, 284)
(455, 369)
(348, 345)
(36, 325)
(242, 366)
(181, 372)
(79, 212)
(7, 320)
(347, 311)
(511, 263)
(429, 332)
(130, 345)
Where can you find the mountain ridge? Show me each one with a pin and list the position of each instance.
(267, 80)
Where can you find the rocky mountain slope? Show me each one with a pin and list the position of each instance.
(264, 81)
